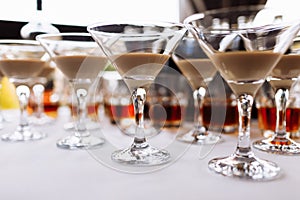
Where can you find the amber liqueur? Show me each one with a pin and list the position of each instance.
(267, 119)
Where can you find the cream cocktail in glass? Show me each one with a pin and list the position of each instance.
(79, 58)
(244, 56)
(138, 50)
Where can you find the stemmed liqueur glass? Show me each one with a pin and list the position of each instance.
(244, 57)
(80, 59)
(281, 78)
(21, 61)
(199, 70)
(139, 51)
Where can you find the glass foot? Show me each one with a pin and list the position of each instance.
(141, 156)
(197, 137)
(41, 120)
(149, 131)
(25, 135)
(76, 142)
(90, 125)
(284, 146)
(248, 167)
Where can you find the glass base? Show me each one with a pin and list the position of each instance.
(144, 155)
(149, 131)
(197, 137)
(41, 120)
(284, 146)
(90, 125)
(248, 167)
(26, 134)
(76, 142)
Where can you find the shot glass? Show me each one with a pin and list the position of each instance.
(167, 101)
(215, 107)
(266, 111)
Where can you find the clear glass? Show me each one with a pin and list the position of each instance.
(79, 58)
(233, 51)
(167, 101)
(281, 78)
(21, 61)
(199, 70)
(266, 110)
(139, 51)
(38, 116)
(91, 121)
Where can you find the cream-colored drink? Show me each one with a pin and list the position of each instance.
(198, 71)
(245, 71)
(47, 71)
(140, 69)
(80, 66)
(21, 68)
(285, 72)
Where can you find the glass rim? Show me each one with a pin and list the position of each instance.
(48, 36)
(19, 41)
(142, 23)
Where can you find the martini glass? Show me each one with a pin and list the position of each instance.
(244, 57)
(199, 70)
(21, 61)
(79, 58)
(139, 51)
(281, 78)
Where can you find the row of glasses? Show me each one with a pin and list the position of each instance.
(139, 50)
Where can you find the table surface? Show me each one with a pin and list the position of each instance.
(39, 170)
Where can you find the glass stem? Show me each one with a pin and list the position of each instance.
(23, 93)
(198, 96)
(245, 103)
(1, 116)
(281, 98)
(40, 105)
(139, 98)
(38, 91)
(81, 130)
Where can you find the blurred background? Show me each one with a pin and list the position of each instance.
(69, 15)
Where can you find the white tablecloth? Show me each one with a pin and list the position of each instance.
(40, 171)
